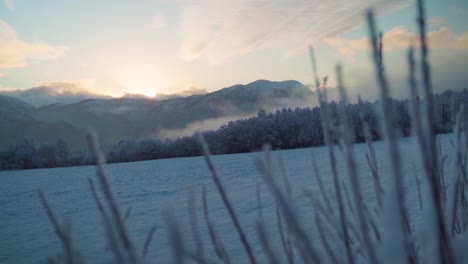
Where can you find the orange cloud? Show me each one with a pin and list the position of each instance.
(15, 52)
(399, 38)
(55, 88)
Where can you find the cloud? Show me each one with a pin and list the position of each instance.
(198, 126)
(399, 38)
(2, 75)
(56, 88)
(436, 21)
(448, 71)
(15, 52)
(10, 4)
(158, 22)
(55, 92)
(443, 38)
(234, 28)
(187, 91)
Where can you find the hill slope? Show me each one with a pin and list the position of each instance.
(123, 118)
(19, 121)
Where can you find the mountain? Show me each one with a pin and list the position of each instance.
(123, 118)
(52, 92)
(18, 121)
(15, 110)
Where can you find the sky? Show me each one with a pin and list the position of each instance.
(152, 47)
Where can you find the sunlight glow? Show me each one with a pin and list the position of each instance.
(139, 79)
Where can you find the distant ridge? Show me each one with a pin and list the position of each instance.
(19, 121)
(116, 119)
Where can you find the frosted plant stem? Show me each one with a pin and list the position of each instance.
(148, 240)
(442, 159)
(372, 162)
(323, 238)
(61, 232)
(200, 251)
(346, 137)
(417, 127)
(284, 176)
(373, 225)
(396, 216)
(324, 195)
(336, 183)
(226, 201)
(348, 200)
(286, 246)
(455, 225)
(266, 244)
(317, 206)
(175, 238)
(416, 113)
(462, 142)
(128, 212)
(445, 248)
(216, 242)
(332, 223)
(314, 67)
(109, 226)
(418, 186)
(416, 110)
(460, 202)
(259, 201)
(308, 252)
(110, 197)
(263, 234)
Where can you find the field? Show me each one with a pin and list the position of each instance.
(151, 187)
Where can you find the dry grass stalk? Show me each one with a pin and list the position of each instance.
(300, 237)
(395, 207)
(195, 230)
(62, 231)
(226, 201)
(214, 237)
(285, 239)
(115, 215)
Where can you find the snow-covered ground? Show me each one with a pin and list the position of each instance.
(150, 187)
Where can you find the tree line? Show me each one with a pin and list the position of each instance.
(283, 129)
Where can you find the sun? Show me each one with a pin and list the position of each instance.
(139, 78)
(140, 85)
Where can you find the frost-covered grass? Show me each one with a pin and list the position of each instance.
(345, 226)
